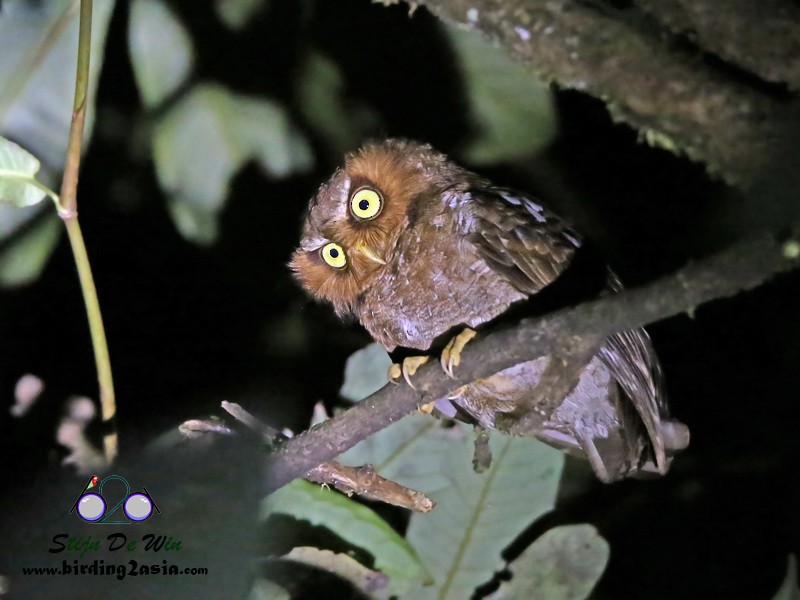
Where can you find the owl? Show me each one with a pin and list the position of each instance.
(424, 253)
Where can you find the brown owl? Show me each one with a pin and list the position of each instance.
(418, 248)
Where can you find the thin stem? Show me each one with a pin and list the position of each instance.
(102, 360)
(68, 210)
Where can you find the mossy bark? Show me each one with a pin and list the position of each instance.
(715, 81)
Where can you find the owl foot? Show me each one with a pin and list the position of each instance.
(408, 368)
(451, 355)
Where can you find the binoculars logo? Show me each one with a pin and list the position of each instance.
(92, 505)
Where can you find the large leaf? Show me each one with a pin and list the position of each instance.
(476, 515)
(365, 372)
(354, 523)
(789, 590)
(372, 583)
(203, 141)
(161, 50)
(513, 112)
(18, 169)
(37, 72)
(563, 564)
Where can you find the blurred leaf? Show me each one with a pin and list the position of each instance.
(372, 583)
(365, 372)
(565, 563)
(12, 218)
(161, 50)
(236, 13)
(264, 589)
(194, 222)
(476, 515)
(513, 112)
(203, 141)
(321, 97)
(18, 169)
(789, 589)
(352, 522)
(37, 73)
(23, 260)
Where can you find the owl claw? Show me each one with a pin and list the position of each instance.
(408, 368)
(451, 355)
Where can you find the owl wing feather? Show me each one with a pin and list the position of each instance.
(530, 247)
(520, 239)
(633, 362)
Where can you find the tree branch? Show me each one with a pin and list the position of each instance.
(743, 266)
(364, 480)
(651, 75)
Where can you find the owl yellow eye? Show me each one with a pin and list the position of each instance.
(333, 255)
(365, 204)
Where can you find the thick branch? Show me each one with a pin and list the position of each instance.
(743, 266)
(761, 37)
(671, 93)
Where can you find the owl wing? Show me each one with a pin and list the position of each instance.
(530, 247)
(519, 239)
(632, 360)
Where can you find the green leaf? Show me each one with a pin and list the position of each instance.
(37, 73)
(162, 54)
(264, 589)
(789, 590)
(512, 111)
(18, 169)
(372, 583)
(236, 13)
(352, 522)
(206, 138)
(365, 372)
(23, 260)
(193, 221)
(341, 122)
(565, 563)
(476, 515)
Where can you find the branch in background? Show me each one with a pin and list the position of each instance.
(652, 78)
(363, 481)
(743, 266)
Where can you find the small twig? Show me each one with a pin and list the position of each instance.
(363, 481)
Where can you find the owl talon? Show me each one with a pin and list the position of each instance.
(393, 373)
(410, 366)
(457, 393)
(407, 369)
(451, 355)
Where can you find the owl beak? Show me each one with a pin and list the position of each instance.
(369, 253)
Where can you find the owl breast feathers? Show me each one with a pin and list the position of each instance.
(414, 246)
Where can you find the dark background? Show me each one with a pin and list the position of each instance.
(190, 326)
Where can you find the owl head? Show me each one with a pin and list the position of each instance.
(354, 221)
